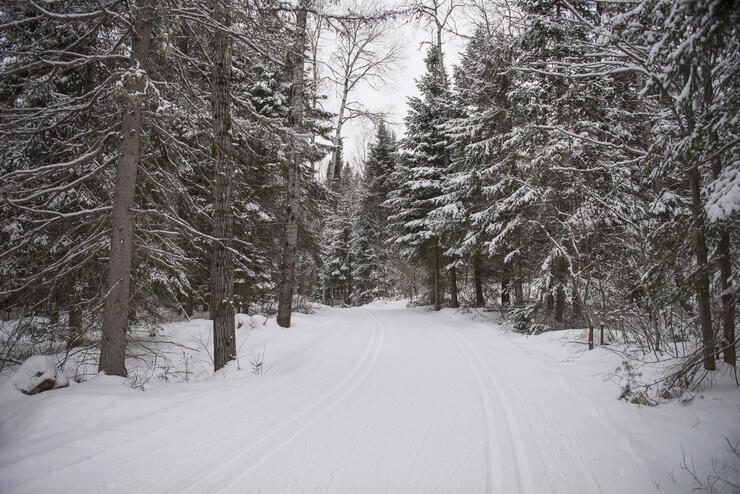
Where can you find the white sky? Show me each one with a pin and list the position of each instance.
(399, 86)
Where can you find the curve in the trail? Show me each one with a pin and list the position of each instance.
(238, 467)
(562, 456)
(577, 421)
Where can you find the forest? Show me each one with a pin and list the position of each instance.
(578, 167)
(563, 167)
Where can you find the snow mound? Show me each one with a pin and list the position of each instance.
(257, 321)
(251, 322)
(38, 373)
(241, 319)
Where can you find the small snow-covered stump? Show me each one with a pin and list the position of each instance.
(37, 374)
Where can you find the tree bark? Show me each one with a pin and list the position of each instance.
(505, 287)
(287, 278)
(222, 268)
(478, 280)
(453, 288)
(335, 164)
(116, 305)
(701, 280)
(723, 249)
(435, 288)
(559, 302)
(189, 303)
(590, 337)
(559, 279)
(728, 300)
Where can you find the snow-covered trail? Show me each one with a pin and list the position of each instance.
(377, 400)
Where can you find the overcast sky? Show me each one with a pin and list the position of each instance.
(399, 86)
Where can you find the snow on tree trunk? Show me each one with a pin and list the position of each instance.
(723, 248)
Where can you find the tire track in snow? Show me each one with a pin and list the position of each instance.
(234, 467)
(511, 431)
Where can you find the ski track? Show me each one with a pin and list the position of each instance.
(419, 403)
(566, 447)
(123, 457)
(232, 470)
(494, 446)
(542, 429)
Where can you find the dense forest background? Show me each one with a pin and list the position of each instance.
(578, 168)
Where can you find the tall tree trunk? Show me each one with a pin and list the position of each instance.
(576, 304)
(702, 277)
(334, 169)
(116, 305)
(287, 277)
(189, 303)
(505, 286)
(478, 281)
(222, 269)
(559, 302)
(453, 288)
(723, 249)
(701, 281)
(728, 300)
(560, 269)
(435, 289)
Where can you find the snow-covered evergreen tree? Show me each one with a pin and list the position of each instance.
(419, 174)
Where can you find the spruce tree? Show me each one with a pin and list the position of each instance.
(419, 174)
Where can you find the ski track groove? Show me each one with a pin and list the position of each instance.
(325, 403)
(520, 462)
(187, 423)
(491, 456)
(516, 394)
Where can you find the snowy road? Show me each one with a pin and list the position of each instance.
(370, 400)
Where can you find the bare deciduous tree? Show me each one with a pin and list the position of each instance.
(364, 53)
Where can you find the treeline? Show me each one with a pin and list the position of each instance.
(584, 163)
(580, 167)
(179, 137)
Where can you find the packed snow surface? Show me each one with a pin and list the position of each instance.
(380, 399)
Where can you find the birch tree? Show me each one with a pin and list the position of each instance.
(364, 53)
